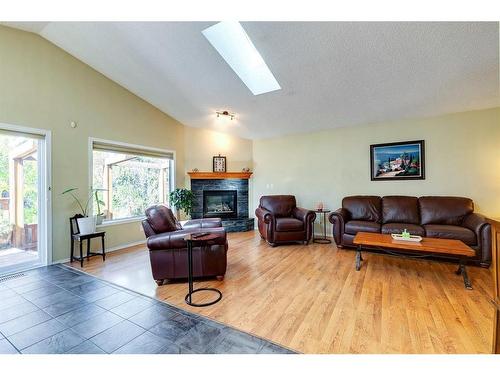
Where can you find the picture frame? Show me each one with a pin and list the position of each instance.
(219, 163)
(397, 161)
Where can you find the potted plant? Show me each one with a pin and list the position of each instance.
(86, 224)
(182, 199)
(99, 202)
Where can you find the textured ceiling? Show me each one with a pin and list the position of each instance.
(332, 74)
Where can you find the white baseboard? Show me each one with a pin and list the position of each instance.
(109, 250)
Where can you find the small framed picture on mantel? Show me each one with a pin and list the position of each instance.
(219, 164)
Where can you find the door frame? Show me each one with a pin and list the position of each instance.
(44, 194)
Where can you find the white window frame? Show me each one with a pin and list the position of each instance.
(93, 140)
(45, 251)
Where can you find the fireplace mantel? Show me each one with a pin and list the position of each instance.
(219, 175)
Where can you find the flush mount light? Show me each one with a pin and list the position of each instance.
(225, 114)
(233, 44)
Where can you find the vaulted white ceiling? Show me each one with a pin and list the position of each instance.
(332, 74)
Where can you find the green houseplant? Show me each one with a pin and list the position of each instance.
(182, 199)
(86, 224)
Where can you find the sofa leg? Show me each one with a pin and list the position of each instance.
(159, 282)
(220, 277)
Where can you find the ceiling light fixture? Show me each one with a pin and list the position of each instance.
(234, 45)
(225, 114)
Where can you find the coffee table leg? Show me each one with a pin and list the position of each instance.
(463, 271)
(358, 259)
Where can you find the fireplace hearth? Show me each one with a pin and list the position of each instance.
(220, 203)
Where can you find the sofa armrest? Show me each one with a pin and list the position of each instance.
(264, 215)
(480, 226)
(474, 222)
(148, 230)
(304, 214)
(338, 218)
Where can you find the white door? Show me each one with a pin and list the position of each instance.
(24, 198)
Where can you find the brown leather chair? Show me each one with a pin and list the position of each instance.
(168, 250)
(438, 217)
(281, 221)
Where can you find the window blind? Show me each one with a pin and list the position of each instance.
(13, 133)
(131, 150)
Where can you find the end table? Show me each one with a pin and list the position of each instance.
(323, 239)
(199, 241)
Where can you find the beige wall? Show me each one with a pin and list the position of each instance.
(462, 158)
(44, 87)
(202, 145)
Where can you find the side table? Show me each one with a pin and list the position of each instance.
(199, 241)
(323, 239)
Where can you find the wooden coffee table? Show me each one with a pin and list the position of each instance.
(427, 247)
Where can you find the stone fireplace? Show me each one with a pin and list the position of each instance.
(226, 198)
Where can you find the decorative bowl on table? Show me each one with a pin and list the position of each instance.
(410, 238)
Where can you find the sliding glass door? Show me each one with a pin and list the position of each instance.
(24, 198)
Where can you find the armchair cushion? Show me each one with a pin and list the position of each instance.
(279, 205)
(161, 219)
(289, 224)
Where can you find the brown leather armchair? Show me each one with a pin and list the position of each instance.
(281, 221)
(168, 250)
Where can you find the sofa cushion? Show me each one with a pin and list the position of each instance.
(289, 224)
(278, 205)
(414, 229)
(161, 219)
(400, 209)
(363, 207)
(355, 226)
(451, 232)
(444, 210)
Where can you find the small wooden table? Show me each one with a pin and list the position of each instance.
(427, 247)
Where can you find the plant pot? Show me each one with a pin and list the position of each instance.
(86, 225)
(99, 219)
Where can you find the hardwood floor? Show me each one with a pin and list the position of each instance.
(311, 299)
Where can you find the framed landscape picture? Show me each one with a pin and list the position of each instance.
(397, 161)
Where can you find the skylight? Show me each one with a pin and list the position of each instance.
(233, 44)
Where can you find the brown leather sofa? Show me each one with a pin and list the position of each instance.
(281, 221)
(438, 217)
(168, 250)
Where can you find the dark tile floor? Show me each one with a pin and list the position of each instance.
(58, 310)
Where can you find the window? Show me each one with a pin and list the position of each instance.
(132, 179)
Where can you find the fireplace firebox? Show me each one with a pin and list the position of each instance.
(220, 203)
